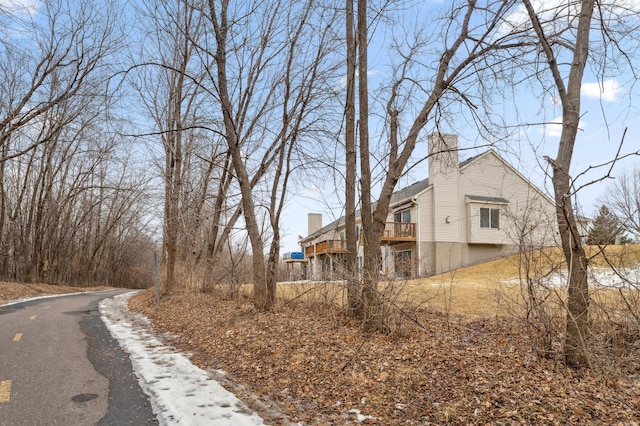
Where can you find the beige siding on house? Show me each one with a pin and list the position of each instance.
(425, 228)
(528, 209)
(478, 235)
(444, 180)
(447, 214)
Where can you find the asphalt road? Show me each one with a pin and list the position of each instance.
(60, 366)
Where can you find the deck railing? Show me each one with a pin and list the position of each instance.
(327, 246)
(393, 231)
(399, 231)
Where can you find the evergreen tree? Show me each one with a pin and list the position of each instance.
(605, 228)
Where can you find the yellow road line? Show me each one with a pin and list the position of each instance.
(5, 390)
(17, 337)
(33, 317)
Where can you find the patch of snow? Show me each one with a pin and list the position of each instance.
(180, 392)
(601, 277)
(359, 417)
(314, 282)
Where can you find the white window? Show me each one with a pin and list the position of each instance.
(489, 218)
(404, 216)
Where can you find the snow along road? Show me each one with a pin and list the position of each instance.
(180, 393)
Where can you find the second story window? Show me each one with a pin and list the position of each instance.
(403, 216)
(489, 218)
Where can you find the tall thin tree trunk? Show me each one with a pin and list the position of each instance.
(371, 271)
(173, 182)
(260, 294)
(577, 327)
(354, 300)
(4, 243)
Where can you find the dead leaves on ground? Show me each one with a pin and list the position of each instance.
(316, 368)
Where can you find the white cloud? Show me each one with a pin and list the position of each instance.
(608, 90)
(550, 12)
(553, 129)
(342, 82)
(20, 7)
(556, 14)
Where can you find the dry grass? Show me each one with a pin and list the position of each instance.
(482, 290)
(475, 290)
(623, 256)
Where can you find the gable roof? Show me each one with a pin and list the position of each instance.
(333, 225)
(470, 159)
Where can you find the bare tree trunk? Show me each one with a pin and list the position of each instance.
(465, 49)
(213, 242)
(218, 235)
(576, 353)
(354, 300)
(372, 315)
(173, 106)
(221, 27)
(172, 141)
(172, 187)
(4, 237)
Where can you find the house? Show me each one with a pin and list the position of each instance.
(463, 213)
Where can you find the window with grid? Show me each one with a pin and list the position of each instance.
(489, 218)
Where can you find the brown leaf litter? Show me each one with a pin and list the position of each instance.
(309, 365)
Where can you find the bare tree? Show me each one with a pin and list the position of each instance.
(252, 44)
(173, 104)
(623, 197)
(569, 93)
(52, 68)
(568, 36)
(66, 54)
(68, 202)
(198, 205)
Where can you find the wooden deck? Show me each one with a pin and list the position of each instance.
(326, 247)
(394, 232)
